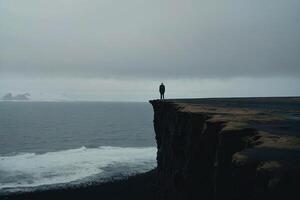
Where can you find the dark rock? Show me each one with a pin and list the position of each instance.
(7, 97)
(19, 97)
(212, 152)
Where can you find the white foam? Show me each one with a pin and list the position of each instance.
(30, 169)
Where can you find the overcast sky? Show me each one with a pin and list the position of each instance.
(121, 50)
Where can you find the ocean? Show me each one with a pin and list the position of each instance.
(65, 144)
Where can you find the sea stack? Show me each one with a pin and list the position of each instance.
(18, 97)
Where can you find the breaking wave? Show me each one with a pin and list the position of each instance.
(31, 169)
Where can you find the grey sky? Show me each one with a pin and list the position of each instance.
(118, 41)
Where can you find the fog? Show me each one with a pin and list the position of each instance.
(116, 50)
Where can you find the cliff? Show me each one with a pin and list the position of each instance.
(225, 149)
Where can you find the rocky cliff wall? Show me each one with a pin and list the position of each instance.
(210, 152)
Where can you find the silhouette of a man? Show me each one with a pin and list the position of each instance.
(162, 91)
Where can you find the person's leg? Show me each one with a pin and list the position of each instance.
(160, 95)
(163, 95)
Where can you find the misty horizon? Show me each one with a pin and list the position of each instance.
(122, 50)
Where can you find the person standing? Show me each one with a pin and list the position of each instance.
(162, 90)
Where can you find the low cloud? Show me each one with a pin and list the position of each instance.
(149, 40)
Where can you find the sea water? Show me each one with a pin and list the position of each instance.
(62, 144)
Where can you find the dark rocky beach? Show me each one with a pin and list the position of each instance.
(141, 186)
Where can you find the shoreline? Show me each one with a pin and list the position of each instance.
(139, 186)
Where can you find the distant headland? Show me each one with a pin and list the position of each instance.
(18, 97)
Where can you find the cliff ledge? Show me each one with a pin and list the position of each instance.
(244, 148)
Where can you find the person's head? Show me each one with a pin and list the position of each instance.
(162, 83)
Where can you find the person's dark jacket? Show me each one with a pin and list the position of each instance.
(162, 89)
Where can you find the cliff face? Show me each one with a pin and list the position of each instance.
(211, 152)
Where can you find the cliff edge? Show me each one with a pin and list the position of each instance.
(228, 148)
